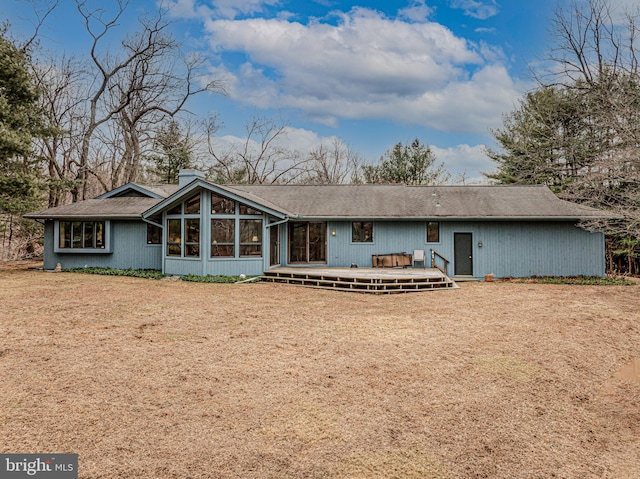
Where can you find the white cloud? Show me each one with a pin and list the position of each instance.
(366, 66)
(418, 11)
(465, 160)
(219, 8)
(295, 139)
(480, 9)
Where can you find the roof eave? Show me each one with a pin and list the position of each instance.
(445, 217)
(36, 216)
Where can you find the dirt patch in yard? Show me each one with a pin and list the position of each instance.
(160, 379)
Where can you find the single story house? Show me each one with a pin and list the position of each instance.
(198, 227)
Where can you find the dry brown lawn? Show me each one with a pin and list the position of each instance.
(156, 379)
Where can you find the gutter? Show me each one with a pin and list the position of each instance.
(84, 217)
(276, 223)
(152, 223)
(450, 218)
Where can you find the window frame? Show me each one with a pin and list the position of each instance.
(106, 236)
(183, 218)
(437, 223)
(236, 212)
(215, 243)
(363, 231)
(150, 235)
(250, 243)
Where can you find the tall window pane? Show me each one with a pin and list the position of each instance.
(76, 234)
(88, 235)
(174, 238)
(250, 237)
(100, 234)
(65, 234)
(317, 242)
(192, 232)
(223, 237)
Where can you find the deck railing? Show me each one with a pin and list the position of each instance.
(434, 264)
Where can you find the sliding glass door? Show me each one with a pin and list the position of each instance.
(307, 242)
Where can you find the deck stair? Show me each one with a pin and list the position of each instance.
(362, 280)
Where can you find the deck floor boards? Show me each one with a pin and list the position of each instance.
(362, 280)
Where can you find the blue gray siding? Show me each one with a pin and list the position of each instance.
(518, 249)
(128, 245)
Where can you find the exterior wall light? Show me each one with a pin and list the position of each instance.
(333, 232)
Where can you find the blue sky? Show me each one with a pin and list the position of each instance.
(372, 73)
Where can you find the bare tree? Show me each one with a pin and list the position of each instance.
(105, 110)
(333, 164)
(592, 39)
(62, 86)
(259, 158)
(579, 132)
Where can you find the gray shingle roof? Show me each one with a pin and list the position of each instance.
(161, 190)
(399, 201)
(361, 201)
(107, 208)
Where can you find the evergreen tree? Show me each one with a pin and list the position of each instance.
(173, 152)
(20, 121)
(413, 164)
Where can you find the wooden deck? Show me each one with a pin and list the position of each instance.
(362, 280)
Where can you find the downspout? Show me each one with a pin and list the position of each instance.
(276, 223)
(153, 223)
(162, 240)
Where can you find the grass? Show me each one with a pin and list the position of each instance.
(179, 379)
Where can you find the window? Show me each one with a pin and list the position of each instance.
(183, 232)
(81, 235)
(223, 236)
(250, 237)
(231, 227)
(174, 237)
(433, 232)
(192, 205)
(247, 210)
(154, 234)
(221, 205)
(362, 232)
(192, 232)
